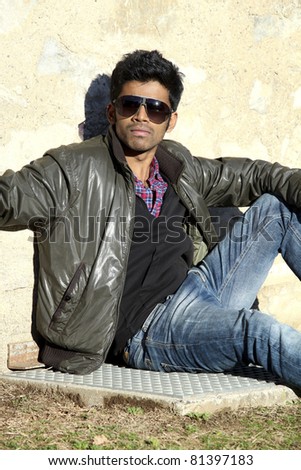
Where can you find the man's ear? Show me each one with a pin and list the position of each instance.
(111, 113)
(172, 122)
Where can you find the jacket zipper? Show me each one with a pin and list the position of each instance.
(126, 258)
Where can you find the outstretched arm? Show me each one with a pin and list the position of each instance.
(33, 193)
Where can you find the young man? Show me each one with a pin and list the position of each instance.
(129, 267)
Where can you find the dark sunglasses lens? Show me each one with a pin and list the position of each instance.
(157, 111)
(128, 105)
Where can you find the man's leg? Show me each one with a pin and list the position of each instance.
(207, 324)
(237, 267)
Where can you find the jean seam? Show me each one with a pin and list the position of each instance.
(296, 234)
(242, 256)
(206, 283)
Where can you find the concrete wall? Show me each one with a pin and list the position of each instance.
(242, 61)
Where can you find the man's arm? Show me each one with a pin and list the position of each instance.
(240, 181)
(32, 194)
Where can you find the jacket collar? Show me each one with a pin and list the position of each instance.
(115, 145)
(170, 164)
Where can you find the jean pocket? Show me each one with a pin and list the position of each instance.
(156, 310)
(199, 273)
(172, 368)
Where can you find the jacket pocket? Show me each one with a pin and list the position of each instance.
(69, 300)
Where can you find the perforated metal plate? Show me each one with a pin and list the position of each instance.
(175, 385)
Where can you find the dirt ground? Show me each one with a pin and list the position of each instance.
(35, 419)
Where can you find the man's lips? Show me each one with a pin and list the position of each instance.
(139, 131)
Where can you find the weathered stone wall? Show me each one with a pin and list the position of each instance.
(242, 62)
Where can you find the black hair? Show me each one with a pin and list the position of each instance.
(144, 66)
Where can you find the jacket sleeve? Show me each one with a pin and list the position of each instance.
(239, 181)
(37, 192)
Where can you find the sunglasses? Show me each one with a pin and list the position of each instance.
(128, 105)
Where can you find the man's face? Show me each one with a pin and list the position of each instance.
(138, 133)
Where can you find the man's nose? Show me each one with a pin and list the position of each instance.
(141, 114)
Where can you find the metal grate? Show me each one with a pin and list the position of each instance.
(175, 385)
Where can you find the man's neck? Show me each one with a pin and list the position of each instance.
(140, 165)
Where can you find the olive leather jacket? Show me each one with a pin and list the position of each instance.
(79, 200)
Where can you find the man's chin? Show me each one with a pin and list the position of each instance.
(136, 149)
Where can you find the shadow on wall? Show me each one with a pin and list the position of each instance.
(96, 100)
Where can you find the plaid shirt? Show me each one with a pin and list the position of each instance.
(154, 193)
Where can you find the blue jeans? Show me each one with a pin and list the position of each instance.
(208, 324)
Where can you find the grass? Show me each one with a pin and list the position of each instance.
(34, 419)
